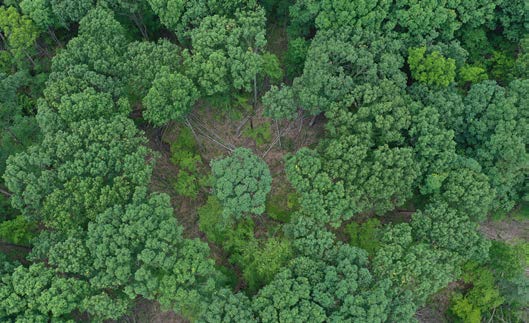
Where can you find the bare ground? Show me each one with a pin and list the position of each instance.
(509, 229)
(439, 303)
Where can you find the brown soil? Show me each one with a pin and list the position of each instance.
(437, 306)
(148, 311)
(509, 230)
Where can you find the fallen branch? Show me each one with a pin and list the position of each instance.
(6, 193)
(243, 123)
(278, 138)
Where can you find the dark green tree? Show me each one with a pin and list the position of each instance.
(171, 97)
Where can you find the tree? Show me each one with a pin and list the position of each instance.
(433, 143)
(182, 17)
(144, 60)
(432, 69)
(280, 103)
(420, 22)
(359, 15)
(110, 149)
(225, 52)
(228, 307)
(467, 190)
(497, 137)
(450, 229)
(366, 235)
(144, 260)
(302, 18)
(415, 269)
(295, 57)
(241, 184)
(343, 66)
(512, 17)
(76, 107)
(338, 287)
(20, 127)
(130, 249)
(102, 53)
(364, 165)
(18, 33)
(70, 10)
(36, 294)
(171, 97)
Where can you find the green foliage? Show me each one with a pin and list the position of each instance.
(366, 235)
(261, 263)
(432, 69)
(18, 35)
(209, 220)
(37, 294)
(506, 261)
(94, 149)
(295, 57)
(363, 166)
(186, 184)
(467, 191)
(242, 182)
(324, 289)
(280, 103)
(184, 155)
(171, 97)
(18, 231)
(144, 60)
(340, 63)
(184, 16)
(451, 230)
(472, 74)
(414, 267)
(522, 61)
(18, 123)
(228, 307)
(224, 56)
(481, 298)
(78, 170)
(463, 310)
(261, 134)
(281, 205)
(272, 67)
(40, 11)
(496, 137)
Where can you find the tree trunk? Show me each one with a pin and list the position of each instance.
(6, 193)
(54, 37)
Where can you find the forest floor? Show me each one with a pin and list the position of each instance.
(217, 134)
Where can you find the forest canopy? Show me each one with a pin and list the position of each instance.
(264, 160)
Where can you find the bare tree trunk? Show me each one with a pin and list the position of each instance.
(138, 21)
(54, 37)
(3, 243)
(6, 193)
(313, 120)
(279, 135)
(30, 59)
(14, 137)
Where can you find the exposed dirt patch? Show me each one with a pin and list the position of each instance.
(438, 305)
(149, 311)
(509, 230)
(217, 134)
